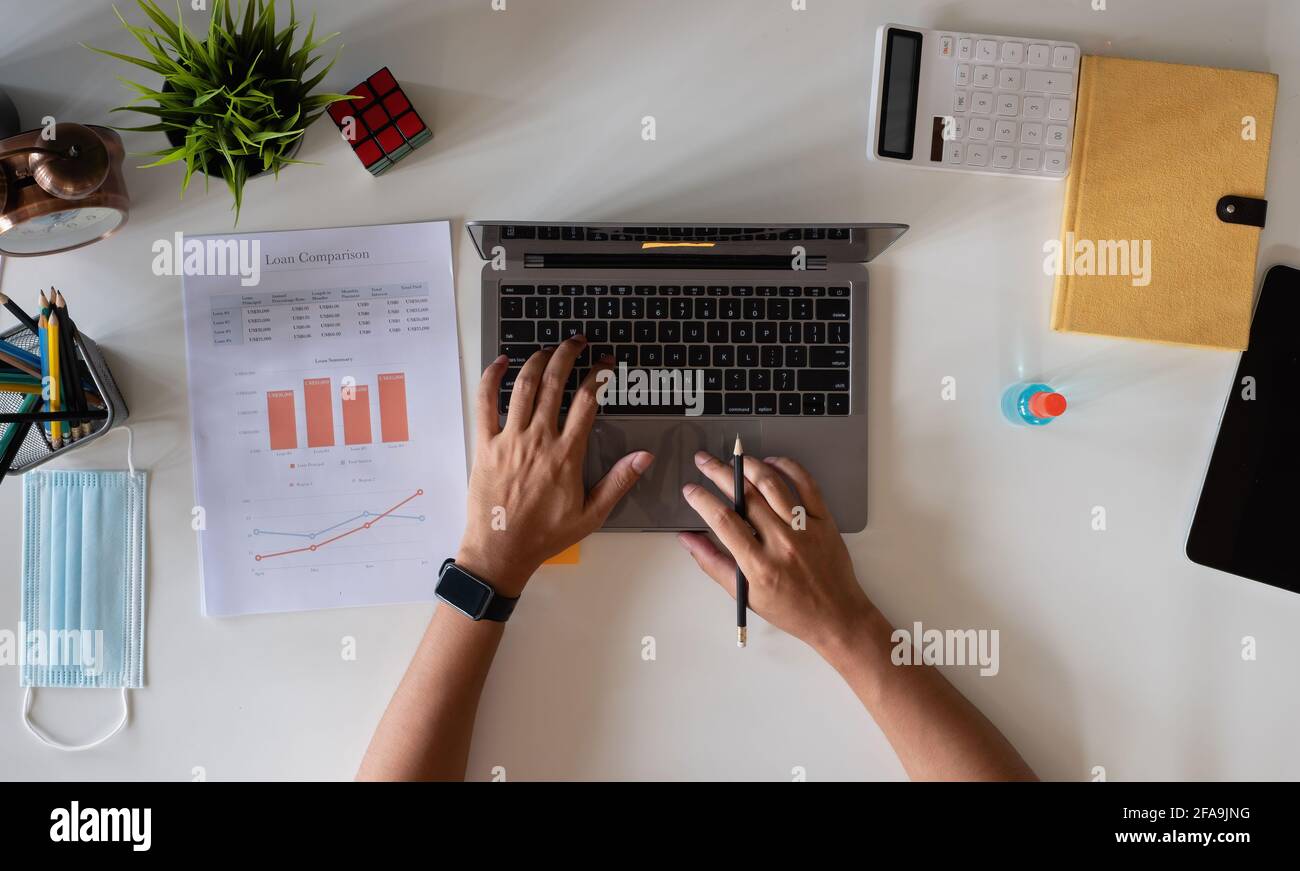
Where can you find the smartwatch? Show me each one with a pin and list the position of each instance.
(471, 595)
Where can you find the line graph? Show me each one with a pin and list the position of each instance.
(317, 545)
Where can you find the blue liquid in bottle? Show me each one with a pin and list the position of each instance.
(1032, 404)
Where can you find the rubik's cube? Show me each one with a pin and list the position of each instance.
(382, 127)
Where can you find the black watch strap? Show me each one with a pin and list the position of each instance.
(497, 608)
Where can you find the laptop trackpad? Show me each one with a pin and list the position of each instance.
(656, 502)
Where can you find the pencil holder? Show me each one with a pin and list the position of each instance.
(36, 448)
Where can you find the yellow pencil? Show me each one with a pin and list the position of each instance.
(52, 339)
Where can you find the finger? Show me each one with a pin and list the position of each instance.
(615, 485)
(713, 562)
(489, 386)
(582, 413)
(773, 487)
(809, 493)
(525, 390)
(726, 524)
(758, 512)
(554, 379)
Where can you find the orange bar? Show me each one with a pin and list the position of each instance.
(320, 412)
(356, 416)
(280, 420)
(392, 407)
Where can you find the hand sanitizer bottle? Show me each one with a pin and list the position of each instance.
(1032, 404)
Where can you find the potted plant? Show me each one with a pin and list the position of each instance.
(234, 104)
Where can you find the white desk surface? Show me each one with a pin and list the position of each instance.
(1115, 650)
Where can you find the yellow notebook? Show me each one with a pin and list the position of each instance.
(1150, 248)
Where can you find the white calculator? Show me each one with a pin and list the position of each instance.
(972, 102)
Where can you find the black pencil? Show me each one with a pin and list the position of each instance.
(48, 416)
(742, 585)
(68, 365)
(17, 311)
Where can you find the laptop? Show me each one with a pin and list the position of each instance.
(751, 330)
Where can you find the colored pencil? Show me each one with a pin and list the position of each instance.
(17, 311)
(48, 416)
(742, 585)
(57, 428)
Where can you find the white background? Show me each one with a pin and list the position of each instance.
(1115, 650)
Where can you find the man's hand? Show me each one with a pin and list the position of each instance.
(800, 576)
(526, 497)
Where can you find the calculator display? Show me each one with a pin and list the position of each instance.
(898, 106)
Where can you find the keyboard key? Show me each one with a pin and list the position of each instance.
(823, 379)
(833, 310)
(670, 290)
(620, 331)
(646, 290)
(778, 309)
(675, 356)
(963, 74)
(585, 308)
(755, 309)
(621, 290)
(765, 403)
(512, 307)
(982, 103)
(1013, 52)
(706, 309)
(964, 48)
(1004, 131)
(790, 333)
(977, 154)
(738, 403)
(766, 291)
(814, 403)
(652, 355)
(837, 291)
(1009, 80)
(597, 331)
(838, 403)
(693, 290)
(1038, 56)
(518, 331)
(597, 290)
(747, 355)
(657, 309)
(1028, 159)
(572, 290)
(830, 357)
(815, 292)
(680, 309)
(713, 379)
(670, 331)
(1063, 57)
(839, 333)
(772, 356)
(559, 308)
(734, 379)
(1008, 104)
(1058, 109)
(1058, 136)
(698, 355)
(1004, 157)
(742, 331)
(783, 379)
(548, 289)
(742, 290)
(519, 354)
(789, 292)
(980, 129)
(693, 331)
(644, 331)
(1049, 81)
(814, 334)
(569, 329)
(625, 354)
(608, 309)
(717, 290)
(548, 332)
(760, 379)
(802, 309)
(718, 332)
(730, 309)
(984, 76)
(517, 289)
(796, 356)
(724, 356)
(986, 50)
(790, 403)
(1034, 106)
(1054, 162)
(633, 308)
(765, 332)
(1031, 133)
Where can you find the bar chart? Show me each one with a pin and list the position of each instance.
(319, 397)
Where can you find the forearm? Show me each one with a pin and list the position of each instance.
(936, 732)
(425, 732)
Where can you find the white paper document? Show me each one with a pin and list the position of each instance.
(325, 402)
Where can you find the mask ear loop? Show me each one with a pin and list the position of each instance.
(59, 745)
(126, 710)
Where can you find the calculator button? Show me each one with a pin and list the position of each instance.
(952, 152)
(963, 48)
(980, 128)
(945, 46)
(1058, 135)
(984, 76)
(1049, 82)
(958, 129)
(977, 155)
(1005, 131)
(963, 74)
(1063, 57)
(1009, 79)
(1054, 162)
(1004, 157)
(1028, 159)
(960, 101)
(1013, 52)
(1058, 109)
(1031, 133)
(982, 103)
(1039, 55)
(1008, 104)
(1034, 106)
(986, 50)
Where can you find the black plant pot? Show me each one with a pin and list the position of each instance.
(177, 139)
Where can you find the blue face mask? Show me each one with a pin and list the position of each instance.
(83, 584)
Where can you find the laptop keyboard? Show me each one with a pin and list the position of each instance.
(762, 350)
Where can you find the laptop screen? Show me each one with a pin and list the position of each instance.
(837, 243)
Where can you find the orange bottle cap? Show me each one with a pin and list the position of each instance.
(1047, 404)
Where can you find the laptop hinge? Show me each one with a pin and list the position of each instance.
(817, 263)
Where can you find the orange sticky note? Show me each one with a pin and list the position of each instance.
(568, 557)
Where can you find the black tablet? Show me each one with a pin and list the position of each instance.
(1247, 521)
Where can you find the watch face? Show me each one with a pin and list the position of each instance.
(464, 593)
(58, 230)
